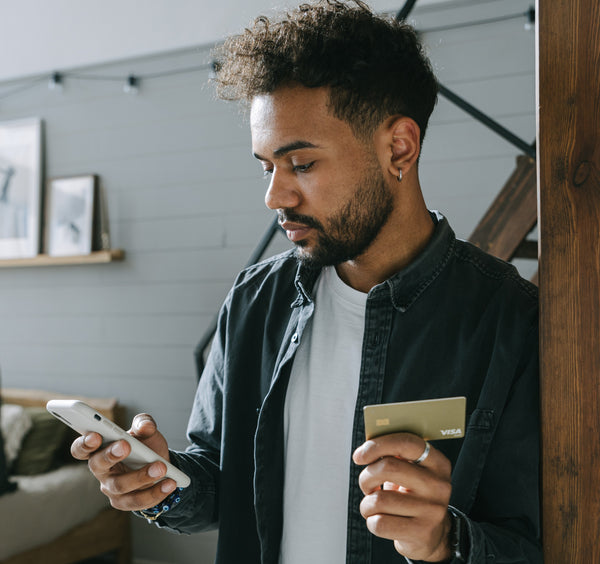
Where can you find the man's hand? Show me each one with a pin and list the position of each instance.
(406, 502)
(128, 490)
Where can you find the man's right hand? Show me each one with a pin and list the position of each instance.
(127, 490)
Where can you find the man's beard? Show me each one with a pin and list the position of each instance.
(350, 230)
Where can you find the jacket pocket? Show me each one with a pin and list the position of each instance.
(471, 460)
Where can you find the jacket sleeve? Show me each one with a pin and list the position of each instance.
(503, 523)
(198, 509)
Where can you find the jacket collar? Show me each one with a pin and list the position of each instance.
(405, 286)
(305, 282)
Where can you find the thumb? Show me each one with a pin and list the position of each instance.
(143, 426)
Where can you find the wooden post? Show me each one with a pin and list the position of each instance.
(569, 223)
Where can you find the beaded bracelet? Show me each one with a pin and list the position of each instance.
(153, 513)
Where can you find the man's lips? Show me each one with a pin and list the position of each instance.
(295, 231)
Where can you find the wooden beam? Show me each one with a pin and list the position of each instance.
(527, 250)
(568, 41)
(512, 215)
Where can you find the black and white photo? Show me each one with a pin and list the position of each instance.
(69, 215)
(20, 187)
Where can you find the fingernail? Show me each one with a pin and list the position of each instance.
(87, 441)
(167, 487)
(117, 449)
(155, 471)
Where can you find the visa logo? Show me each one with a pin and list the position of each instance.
(446, 432)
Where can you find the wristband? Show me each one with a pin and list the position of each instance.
(455, 535)
(153, 513)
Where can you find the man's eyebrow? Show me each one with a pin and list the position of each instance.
(285, 149)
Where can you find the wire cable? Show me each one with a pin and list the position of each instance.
(401, 15)
(475, 23)
(22, 87)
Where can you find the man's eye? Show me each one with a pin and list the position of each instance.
(304, 167)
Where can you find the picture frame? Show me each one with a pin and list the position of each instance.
(20, 187)
(69, 218)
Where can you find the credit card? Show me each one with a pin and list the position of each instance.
(431, 420)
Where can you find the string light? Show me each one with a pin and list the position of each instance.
(530, 23)
(132, 85)
(55, 82)
(215, 67)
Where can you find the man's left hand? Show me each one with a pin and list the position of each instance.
(406, 502)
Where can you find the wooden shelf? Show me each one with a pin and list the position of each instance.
(97, 257)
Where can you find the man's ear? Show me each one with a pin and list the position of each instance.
(399, 140)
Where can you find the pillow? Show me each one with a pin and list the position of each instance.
(5, 485)
(15, 422)
(44, 445)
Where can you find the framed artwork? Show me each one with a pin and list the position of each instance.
(20, 187)
(70, 215)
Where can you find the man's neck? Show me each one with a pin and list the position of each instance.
(393, 250)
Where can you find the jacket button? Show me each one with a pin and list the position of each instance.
(295, 338)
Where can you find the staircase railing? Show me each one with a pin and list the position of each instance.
(256, 255)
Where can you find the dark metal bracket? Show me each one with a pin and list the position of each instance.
(528, 149)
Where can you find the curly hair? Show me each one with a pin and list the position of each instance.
(375, 67)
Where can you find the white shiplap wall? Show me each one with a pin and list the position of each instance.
(186, 203)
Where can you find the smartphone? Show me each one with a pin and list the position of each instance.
(83, 419)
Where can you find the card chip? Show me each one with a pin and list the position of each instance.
(382, 422)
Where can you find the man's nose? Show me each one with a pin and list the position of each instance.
(282, 192)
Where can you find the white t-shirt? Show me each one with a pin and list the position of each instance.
(318, 420)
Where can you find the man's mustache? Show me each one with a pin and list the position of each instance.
(293, 217)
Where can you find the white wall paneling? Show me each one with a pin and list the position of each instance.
(185, 201)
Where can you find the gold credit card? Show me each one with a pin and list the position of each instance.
(430, 419)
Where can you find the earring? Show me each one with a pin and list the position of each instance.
(399, 175)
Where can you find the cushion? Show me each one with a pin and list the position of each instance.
(15, 423)
(5, 485)
(44, 446)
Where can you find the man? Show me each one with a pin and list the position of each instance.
(379, 303)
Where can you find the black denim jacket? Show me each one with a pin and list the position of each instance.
(455, 322)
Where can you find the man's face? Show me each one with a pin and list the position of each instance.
(326, 185)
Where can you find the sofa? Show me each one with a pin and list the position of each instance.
(52, 510)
